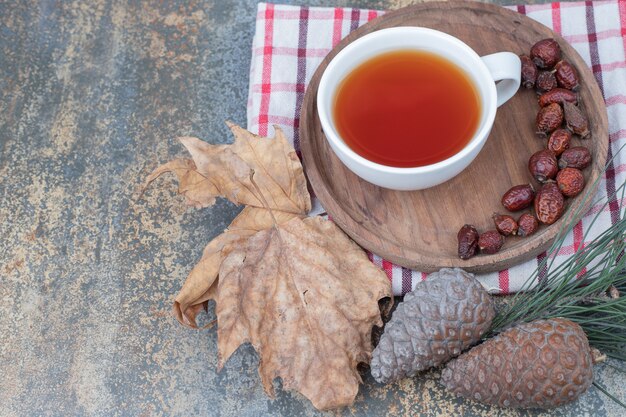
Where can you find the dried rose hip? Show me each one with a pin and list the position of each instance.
(545, 53)
(549, 119)
(505, 224)
(558, 95)
(575, 120)
(468, 241)
(577, 157)
(490, 242)
(549, 203)
(566, 75)
(559, 141)
(546, 81)
(518, 197)
(527, 224)
(543, 165)
(570, 181)
(529, 71)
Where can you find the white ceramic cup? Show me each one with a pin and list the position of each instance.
(504, 67)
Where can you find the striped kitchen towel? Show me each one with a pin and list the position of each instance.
(291, 41)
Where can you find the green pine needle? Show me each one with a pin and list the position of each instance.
(608, 394)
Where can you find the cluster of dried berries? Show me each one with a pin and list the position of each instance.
(558, 167)
(556, 81)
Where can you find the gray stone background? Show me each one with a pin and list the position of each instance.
(92, 95)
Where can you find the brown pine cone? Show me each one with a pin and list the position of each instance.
(543, 364)
(440, 318)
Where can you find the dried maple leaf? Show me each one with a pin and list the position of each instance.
(224, 170)
(200, 285)
(259, 172)
(298, 289)
(198, 190)
(305, 296)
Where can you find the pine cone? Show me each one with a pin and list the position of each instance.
(545, 363)
(436, 321)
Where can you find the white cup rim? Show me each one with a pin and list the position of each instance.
(477, 139)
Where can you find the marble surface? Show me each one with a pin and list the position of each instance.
(92, 95)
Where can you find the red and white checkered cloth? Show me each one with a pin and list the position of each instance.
(291, 41)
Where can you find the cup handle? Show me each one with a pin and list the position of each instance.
(505, 67)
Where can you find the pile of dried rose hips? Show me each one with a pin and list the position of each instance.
(558, 168)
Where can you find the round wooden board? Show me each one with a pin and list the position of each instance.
(417, 229)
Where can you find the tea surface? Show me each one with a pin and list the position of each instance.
(407, 109)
